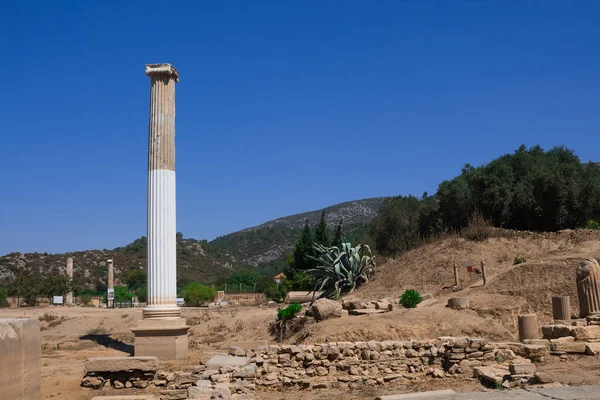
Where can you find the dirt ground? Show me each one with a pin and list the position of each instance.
(72, 335)
(78, 333)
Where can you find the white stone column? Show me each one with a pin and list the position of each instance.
(161, 229)
(110, 282)
(162, 332)
(70, 276)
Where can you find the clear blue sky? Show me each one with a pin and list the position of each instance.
(282, 106)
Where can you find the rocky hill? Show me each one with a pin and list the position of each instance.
(261, 247)
(195, 261)
(268, 242)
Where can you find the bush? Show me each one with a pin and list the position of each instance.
(289, 312)
(286, 324)
(593, 224)
(142, 294)
(519, 260)
(275, 292)
(478, 228)
(196, 294)
(3, 300)
(86, 299)
(122, 294)
(410, 298)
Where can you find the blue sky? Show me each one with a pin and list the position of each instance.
(282, 106)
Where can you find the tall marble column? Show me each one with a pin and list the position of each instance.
(161, 332)
(70, 276)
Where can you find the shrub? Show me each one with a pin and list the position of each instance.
(3, 300)
(142, 294)
(275, 292)
(286, 324)
(519, 260)
(122, 294)
(410, 298)
(289, 312)
(196, 294)
(86, 299)
(478, 228)
(593, 224)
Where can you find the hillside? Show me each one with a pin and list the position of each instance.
(549, 270)
(261, 247)
(195, 261)
(268, 242)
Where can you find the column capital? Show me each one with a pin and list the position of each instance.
(162, 69)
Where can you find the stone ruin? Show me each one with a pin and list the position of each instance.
(588, 287)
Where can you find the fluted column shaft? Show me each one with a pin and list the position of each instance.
(588, 287)
(161, 223)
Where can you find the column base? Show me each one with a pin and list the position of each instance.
(162, 338)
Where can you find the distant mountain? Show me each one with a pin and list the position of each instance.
(268, 242)
(262, 247)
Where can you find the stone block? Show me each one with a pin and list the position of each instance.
(116, 364)
(246, 372)
(569, 348)
(458, 303)
(489, 374)
(219, 361)
(555, 331)
(126, 397)
(324, 309)
(366, 311)
(586, 332)
(20, 358)
(565, 339)
(592, 349)
(522, 368)
(199, 393)
(543, 377)
(162, 338)
(177, 394)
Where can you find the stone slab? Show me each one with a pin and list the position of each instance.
(115, 364)
(20, 358)
(217, 362)
(558, 393)
(421, 395)
(126, 397)
(366, 311)
(573, 347)
(592, 349)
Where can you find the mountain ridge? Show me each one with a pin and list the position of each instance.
(261, 247)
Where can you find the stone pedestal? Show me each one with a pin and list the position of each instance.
(163, 338)
(162, 332)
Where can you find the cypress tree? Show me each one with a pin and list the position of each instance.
(337, 237)
(303, 249)
(321, 236)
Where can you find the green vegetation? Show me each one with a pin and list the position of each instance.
(30, 287)
(410, 298)
(122, 294)
(86, 299)
(286, 323)
(275, 292)
(341, 270)
(196, 294)
(593, 224)
(531, 189)
(289, 312)
(519, 260)
(3, 300)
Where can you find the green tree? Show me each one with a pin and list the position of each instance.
(135, 279)
(196, 294)
(122, 294)
(396, 226)
(55, 285)
(179, 236)
(337, 236)
(246, 277)
(3, 300)
(303, 250)
(321, 236)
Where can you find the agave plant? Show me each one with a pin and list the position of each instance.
(341, 270)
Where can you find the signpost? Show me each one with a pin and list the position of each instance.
(110, 298)
(57, 300)
(180, 301)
